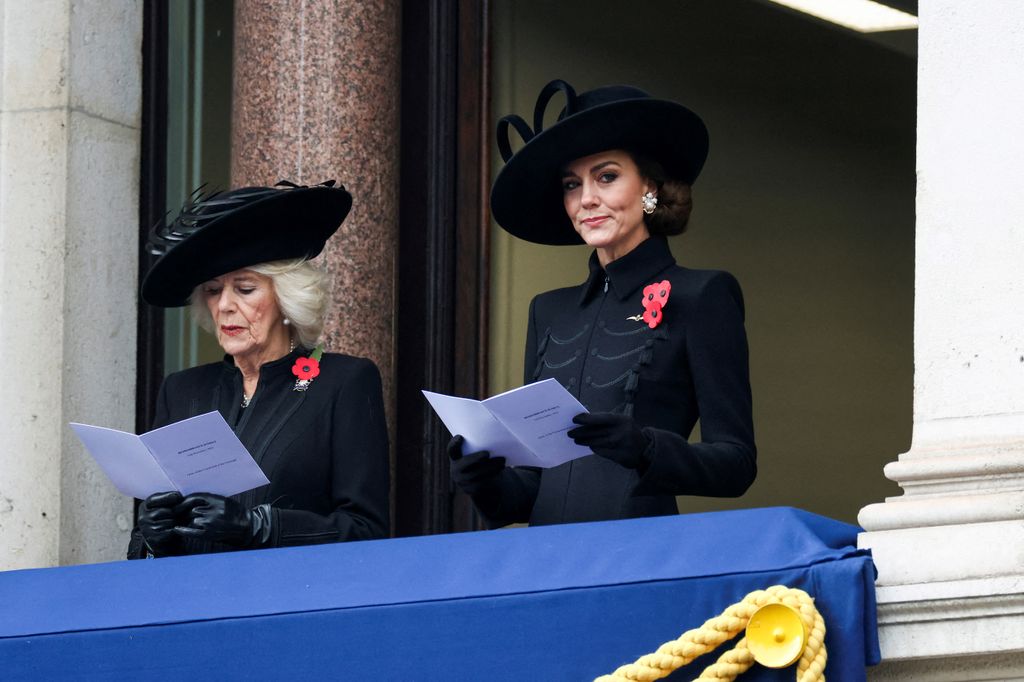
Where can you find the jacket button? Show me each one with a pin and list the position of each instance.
(593, 351)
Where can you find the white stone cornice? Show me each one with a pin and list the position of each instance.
(952, 553)
(985, 624)
(1011, 585)
(1002, 432)
(1005, 667)
(960, 609)
(909, 471)
(991, 471)
(948, 510)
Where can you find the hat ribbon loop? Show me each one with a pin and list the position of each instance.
(549, 90)
(504, 145)
(545, 96)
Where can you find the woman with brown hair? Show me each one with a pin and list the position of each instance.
(648, 346)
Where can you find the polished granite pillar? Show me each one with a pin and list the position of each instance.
(316, 97)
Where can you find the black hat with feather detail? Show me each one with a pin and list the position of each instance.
(222, 232)
(526, 199)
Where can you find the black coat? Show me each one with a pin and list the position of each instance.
(694, 364)
(324, 450)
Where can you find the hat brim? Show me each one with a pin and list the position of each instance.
(526, 199)
(290, 223)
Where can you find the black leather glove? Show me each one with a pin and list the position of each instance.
(614, 436)
(156, 523)
(221, 519)
(476, 473)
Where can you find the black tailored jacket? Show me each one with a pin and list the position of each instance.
(693, 365)
(325, 450)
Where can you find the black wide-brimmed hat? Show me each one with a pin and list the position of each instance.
(526, 199)
(226, 231)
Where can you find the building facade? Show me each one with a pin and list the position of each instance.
(112, 112)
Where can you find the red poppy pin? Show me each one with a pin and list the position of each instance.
(307, 369)
(653, 314)
(654, 300)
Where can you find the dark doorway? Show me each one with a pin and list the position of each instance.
(444, 248)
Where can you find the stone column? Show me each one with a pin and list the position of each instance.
(70, 115)
(950, 550)
(316, 97)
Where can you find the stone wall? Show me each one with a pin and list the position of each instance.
(70, 117)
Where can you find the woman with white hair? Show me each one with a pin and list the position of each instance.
(313, 421)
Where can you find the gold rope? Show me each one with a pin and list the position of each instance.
(692, 644)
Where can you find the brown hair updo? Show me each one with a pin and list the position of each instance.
(675, 201)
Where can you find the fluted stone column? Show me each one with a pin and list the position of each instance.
(316, 97)
(950, 550)
(70, 117)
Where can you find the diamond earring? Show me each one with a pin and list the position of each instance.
(650, 202)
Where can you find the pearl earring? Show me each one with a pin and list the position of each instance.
(650, 202)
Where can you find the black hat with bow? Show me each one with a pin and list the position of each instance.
(227, 231)
(526, 199)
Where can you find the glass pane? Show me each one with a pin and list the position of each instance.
(200, 40)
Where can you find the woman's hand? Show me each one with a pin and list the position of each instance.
(156, 522)
(614, 436)
(221, 519)
(476, 472)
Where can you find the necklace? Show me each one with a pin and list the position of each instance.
(247, 398)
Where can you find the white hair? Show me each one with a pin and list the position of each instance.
(299, 289)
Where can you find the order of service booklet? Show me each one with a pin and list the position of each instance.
(199, 454)
(527, 425)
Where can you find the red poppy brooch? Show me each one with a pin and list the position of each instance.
(655, 299)
(307, 369)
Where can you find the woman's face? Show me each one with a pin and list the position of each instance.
(601, 194)
(245, 313)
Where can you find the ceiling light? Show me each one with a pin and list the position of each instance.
(865, 16)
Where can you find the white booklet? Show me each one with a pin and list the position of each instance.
(527, 425)
(199, 454)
